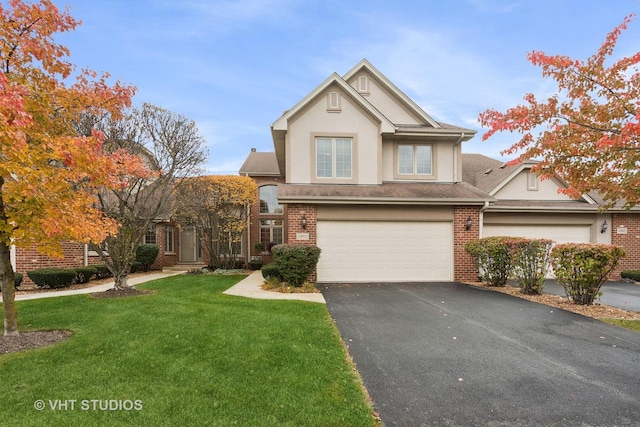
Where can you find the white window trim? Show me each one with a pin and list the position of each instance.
(363, 85)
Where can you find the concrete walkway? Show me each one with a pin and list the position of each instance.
(99, 288)
(250, 288)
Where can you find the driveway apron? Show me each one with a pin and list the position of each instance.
(450, 354)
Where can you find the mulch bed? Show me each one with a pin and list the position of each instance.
(597, 311)
(119, 293)
(31, 340)
(37, 339)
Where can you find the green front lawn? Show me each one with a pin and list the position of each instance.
(187, 355)
(633, 325)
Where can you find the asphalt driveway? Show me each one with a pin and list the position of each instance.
(454, 355)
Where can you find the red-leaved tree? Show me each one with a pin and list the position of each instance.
(50, 176)
(588, 133)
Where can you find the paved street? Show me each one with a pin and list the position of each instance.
(455, 355)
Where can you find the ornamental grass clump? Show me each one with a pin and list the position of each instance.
(531, 261)
(493, 259)
(582, 269)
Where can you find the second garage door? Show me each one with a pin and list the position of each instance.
(384, 251)
(557, 233)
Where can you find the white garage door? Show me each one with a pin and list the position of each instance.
(384, 251)
(557, 233)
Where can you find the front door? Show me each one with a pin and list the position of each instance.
(188, 245)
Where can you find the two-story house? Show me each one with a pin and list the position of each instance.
(373, 180)
(360, 170)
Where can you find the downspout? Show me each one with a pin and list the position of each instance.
(85, 255)
(455, 158)
(481, 219)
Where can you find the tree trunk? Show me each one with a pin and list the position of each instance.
(7, 282)
(121, 281)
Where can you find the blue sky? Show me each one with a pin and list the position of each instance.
(235, 66)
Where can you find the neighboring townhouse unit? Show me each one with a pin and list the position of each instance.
(387, 194)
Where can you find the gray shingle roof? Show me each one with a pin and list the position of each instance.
(260, 163)
(388, 192)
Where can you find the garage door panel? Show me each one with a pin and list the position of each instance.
(384, 251)
(557, 233)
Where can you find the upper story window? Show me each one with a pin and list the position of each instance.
(414, 161)
(268, 200)
(334, 158)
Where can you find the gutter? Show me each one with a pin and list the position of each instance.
(455, 158)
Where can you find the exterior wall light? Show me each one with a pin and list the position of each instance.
(304, 222)
(604, 227)
(469, 223)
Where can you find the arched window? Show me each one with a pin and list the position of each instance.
(268, 200)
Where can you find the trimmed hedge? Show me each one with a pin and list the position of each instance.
(52, 277)
(102, 271)
(581, 269)
(84, 274)
(17, 279)
(255, 264)
(631, 275)
(270, 270)
(146, 254)
(295, 262)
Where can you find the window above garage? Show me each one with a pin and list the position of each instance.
(413, 161)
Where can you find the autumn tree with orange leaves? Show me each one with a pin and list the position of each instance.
(49, 176)
(218, 207)
(588, 133)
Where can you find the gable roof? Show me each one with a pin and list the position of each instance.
(393, 89)
(260, 164)
(281, 123)
(490, 175)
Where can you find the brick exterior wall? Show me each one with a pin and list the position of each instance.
(630, 242)
(74, 256)
(464, 268)
(295, 213)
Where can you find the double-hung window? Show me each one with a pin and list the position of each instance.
(414, 160)
(334, 158)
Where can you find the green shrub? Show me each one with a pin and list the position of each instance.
(295, 262)
(146, 254)
(84, 274)
(102, 271)
(135, 267)
(17, 279)
(52, 277)
(581, 269)
(631, 275)
(255, 264)
(530, 259)
(492, 256)
(271, 271)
